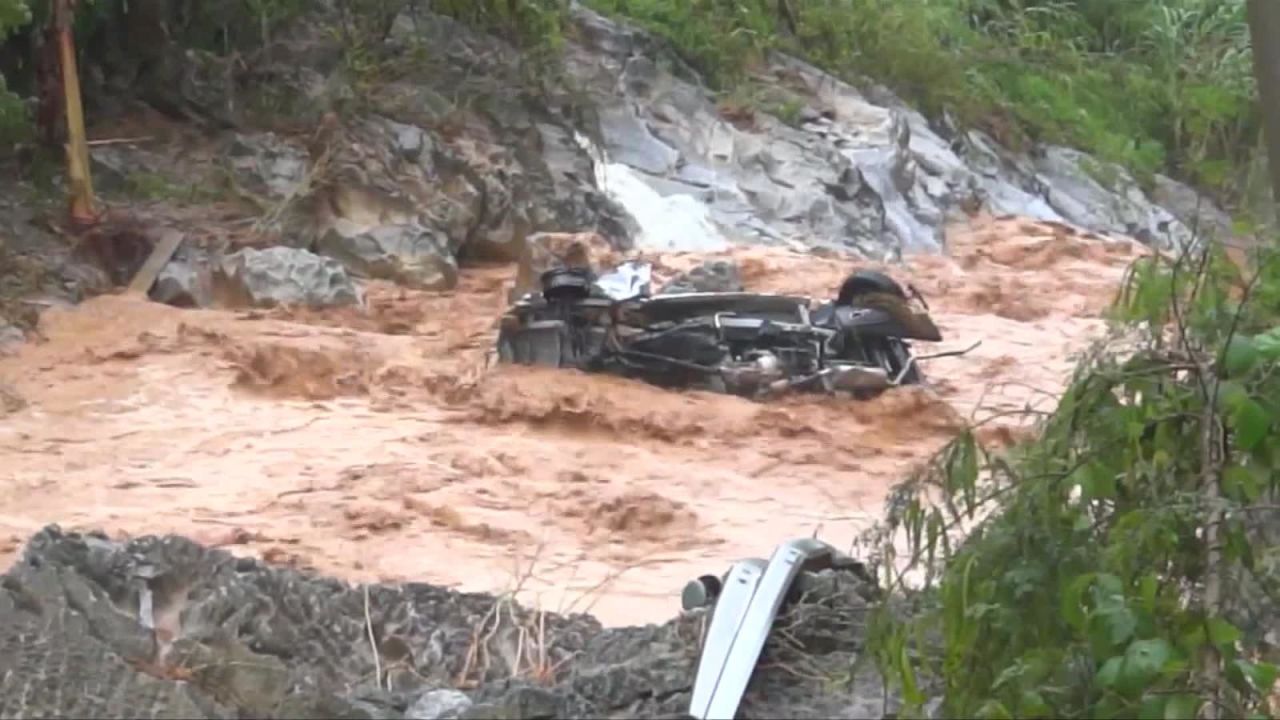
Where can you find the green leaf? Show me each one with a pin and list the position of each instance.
(1072, 603)
(1148, 656)
(1182, 707)
(1268, 344)
(1097, 481)
(1152, 707)
(994, 710)
(1110, 586)
(1261, 675)
(1111, 627)
(1250, 423)
(1192, 637)
(1241, 483)
(1240, 356)
(1032, 705)
(1222, 633)
(910, 691)
(1231, 394)
(1109, 673)
(1148, 586)
(1142, 663)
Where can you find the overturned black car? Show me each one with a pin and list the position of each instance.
(742, 343)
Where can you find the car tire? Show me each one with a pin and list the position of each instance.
(866, 282)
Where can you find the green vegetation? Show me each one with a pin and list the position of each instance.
(13, 117)
(535, 25)
(1129, 562)
(1155, 85)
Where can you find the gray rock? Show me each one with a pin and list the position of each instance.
(185, 281)
(1197, 213)
(112, 166)
(439, 705)
(710, 276)
(1104, 197)
(410, 253)
(10, 338)
(630, 142)
(861, 170)
(460, 139)
(285, 276)
(267, 164)
(257, 641)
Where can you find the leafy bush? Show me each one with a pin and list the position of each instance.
(1127, 565)
(13, 116)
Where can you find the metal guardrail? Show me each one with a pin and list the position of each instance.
(745, 607)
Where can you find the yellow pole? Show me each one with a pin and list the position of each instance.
(82, 203)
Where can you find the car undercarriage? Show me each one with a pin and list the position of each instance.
(748, 344)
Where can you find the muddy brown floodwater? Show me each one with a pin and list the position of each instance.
(376, 444)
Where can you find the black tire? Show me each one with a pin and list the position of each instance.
(547, 346)
(566, 284)
(866, 282)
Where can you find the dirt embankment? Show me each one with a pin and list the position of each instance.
(378, 445)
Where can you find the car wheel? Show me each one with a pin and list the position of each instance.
(866, 282)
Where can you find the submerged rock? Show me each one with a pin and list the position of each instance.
(11, 337)
(710, 276)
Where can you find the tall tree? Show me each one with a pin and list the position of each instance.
(1264, 30)
(82, 206)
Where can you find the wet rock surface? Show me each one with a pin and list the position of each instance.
(164, 627)
(186, 280)
(454, 135)
(285, 276)
(848, 168)
(11, 336)
(408, 253)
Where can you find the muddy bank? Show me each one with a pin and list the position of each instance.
(379, 444)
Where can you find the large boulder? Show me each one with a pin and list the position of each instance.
(270, 165)
(163, 627)
(186, 280)
(1105, 197)
(410, 253)
(283, 276)
(1195, 211)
